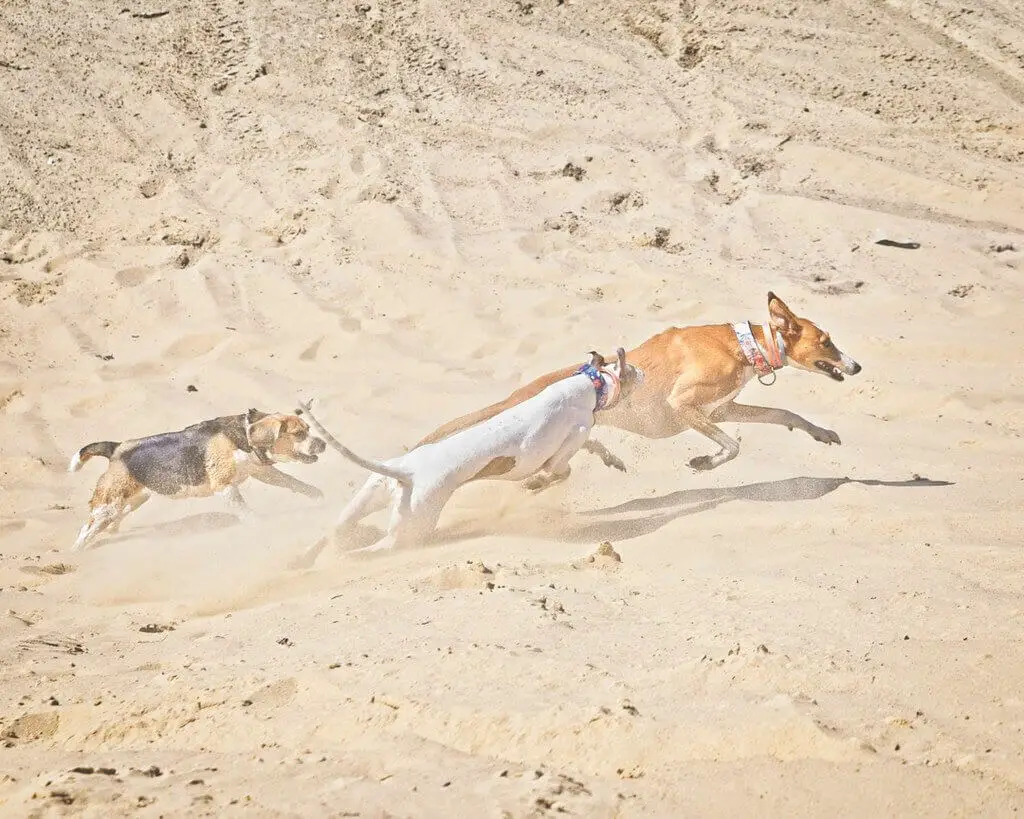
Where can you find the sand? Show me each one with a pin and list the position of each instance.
(406, 210)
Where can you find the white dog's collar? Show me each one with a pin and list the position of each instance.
(606, 384)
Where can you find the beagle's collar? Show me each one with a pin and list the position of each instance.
(767, 360)
(605, 382)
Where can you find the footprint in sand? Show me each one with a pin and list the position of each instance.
(193, 346)
(273, 696)
(52, 569)
(133, 276)
(32, 727)
(471, 575)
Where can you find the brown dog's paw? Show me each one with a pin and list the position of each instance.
(825, 436)
(702, 463)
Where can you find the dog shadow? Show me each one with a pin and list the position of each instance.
(189, 525)
(648, 515)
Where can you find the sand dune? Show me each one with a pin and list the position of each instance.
(407, 209)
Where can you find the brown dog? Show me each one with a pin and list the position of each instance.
(211, 457)
(691, 376)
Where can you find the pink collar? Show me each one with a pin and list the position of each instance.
(764, 361)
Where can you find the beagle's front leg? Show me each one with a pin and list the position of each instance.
(274, 477)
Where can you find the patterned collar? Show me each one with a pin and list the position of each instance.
(757, 357)
(594, 374)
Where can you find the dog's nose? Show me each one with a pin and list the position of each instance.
(856, 368)
(318, 446)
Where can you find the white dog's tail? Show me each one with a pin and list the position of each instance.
(403, 476)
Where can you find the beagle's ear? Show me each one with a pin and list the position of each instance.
(781, 317)
(253, 415)
(264, 433)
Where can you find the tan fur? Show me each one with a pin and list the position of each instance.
(115, 486)
(691, 375)
(221, 469)
(266, 433)
(497, 467)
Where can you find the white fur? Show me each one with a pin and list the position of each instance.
(541, 434)
(76, 462)
(848, 365)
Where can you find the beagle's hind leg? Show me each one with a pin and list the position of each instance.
(100, 519)
(116, 495)
(133, 504)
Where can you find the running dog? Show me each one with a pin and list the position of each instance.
(693, 375)
(211, 457)
(533, 440)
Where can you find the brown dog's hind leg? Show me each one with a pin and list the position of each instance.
(608, 458)
(697, 420)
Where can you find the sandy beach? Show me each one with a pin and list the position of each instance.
(408, 209)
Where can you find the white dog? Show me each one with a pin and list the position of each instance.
(534, 439)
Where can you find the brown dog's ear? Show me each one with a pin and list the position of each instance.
(264, 433)
(596, 359)
(781, 317)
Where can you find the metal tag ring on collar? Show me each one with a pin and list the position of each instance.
(762, 376)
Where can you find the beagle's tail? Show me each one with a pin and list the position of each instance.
(403, 476)
(102, 448)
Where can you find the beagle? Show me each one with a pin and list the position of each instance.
(211, 457)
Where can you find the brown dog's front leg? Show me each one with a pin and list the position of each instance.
(749, 414)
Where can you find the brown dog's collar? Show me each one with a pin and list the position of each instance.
(774, 346)
(752, 351)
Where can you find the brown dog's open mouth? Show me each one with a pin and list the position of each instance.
(303, 458)
(830, 369)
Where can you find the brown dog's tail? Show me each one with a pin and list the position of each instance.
(103, 448)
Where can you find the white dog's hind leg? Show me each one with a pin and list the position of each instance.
(368, 499)
(556, 469)
(413, 520)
